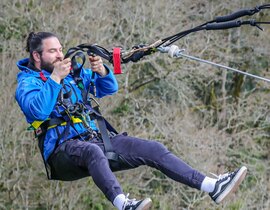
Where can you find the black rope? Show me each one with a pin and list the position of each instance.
(139, 51)
(219, 23)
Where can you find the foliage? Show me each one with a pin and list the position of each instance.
(215, 120)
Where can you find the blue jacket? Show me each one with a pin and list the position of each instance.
(38, 99)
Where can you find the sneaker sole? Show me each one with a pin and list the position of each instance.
(145, 205)
(232, 187)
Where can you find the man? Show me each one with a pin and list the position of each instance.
(46, 90)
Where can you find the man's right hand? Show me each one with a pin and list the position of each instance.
(61, 70)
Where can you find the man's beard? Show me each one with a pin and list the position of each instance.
(46, 66)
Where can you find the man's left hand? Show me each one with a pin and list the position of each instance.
(97, 65)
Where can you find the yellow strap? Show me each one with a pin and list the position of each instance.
(74, 120)
(36, 124)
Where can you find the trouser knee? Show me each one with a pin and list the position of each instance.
(156, 150)
(93, 154)
(157, 147)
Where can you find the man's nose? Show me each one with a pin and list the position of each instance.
(60, 54)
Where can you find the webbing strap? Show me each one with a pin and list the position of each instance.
(76, 68)
(104, 134)
(103, 126)
(36, 124)
(109, 152)
(117, 61)
(74, 120)
(114, 57)
(54, 122)
(42, 76)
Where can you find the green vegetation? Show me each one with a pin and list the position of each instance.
(214, 119)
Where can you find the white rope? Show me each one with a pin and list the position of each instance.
(174, 51)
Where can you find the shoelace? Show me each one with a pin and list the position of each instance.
(222, 176)
(128, 201)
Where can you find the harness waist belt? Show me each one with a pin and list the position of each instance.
(51, 123)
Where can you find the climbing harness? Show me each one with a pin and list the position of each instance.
(59, 166)
(119, 56)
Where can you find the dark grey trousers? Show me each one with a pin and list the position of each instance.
(90, 155)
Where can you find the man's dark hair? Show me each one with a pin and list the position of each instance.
(34, 42)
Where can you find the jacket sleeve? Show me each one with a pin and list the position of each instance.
(106, 85)
(37, 100)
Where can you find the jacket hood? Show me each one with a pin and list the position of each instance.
(25, 70)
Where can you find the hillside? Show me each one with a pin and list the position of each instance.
(214, 119)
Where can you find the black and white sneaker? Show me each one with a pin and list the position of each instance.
(133, 204)
(228, 183)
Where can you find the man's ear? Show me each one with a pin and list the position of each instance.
(36, 57)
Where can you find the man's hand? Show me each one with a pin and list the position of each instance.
(61, 70)
(97, 65)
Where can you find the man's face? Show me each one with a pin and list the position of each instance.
(52, 52)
